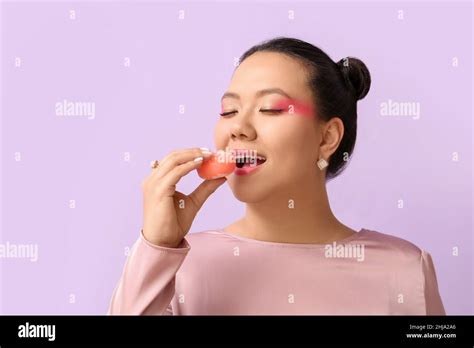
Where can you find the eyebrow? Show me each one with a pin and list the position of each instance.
(258, 94)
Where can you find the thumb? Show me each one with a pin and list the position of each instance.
(204, 190)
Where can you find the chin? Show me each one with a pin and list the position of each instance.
(248, 192)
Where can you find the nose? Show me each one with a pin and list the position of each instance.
(242, 127)
(242, 131)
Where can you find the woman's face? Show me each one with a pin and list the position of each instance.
(288, 140)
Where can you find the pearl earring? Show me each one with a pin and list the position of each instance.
(322, 163)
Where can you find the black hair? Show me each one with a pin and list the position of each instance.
(336, 88)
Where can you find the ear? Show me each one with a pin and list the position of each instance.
(332, 133)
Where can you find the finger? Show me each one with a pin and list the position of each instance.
(177, 158)
(174, 175)
(204, 190)
(161, 168)
(167, 157)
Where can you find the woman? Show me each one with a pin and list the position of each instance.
(296, 108)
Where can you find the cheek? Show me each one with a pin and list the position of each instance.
(292, 143)
(289, 136)
(221, 134)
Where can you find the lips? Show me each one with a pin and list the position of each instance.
(248, 158)
(248, 152)
(244, 161)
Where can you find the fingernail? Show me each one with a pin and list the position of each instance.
(204, 148)
(197, 159)
(206, 152)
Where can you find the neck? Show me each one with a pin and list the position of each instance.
(295, 215)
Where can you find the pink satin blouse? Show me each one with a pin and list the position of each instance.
(217, 273)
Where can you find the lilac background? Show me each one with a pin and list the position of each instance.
(189, 62)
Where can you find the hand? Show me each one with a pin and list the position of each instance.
(167, 213)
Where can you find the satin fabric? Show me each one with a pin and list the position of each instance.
(217, 273)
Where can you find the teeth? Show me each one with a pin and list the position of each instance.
(244, 156)
(250, 157)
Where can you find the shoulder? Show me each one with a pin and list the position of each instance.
(410, 266)
(390, 248)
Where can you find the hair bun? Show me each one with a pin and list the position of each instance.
(356, 75)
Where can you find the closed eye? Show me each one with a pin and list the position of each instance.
(272, 110)
(228, 113)
(263, 110)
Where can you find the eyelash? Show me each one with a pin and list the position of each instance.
(266, 110)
